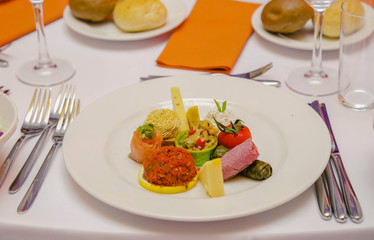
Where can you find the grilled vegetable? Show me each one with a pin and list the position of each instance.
(258, 170)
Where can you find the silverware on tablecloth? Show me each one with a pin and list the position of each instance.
(3, 63)
(6, 91)
(351, 201)
(334, 194)
(66, 91)
(34, 123)
(249, 75)
(70, 110)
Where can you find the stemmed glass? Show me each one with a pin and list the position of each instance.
(44, 71)
(315, 80)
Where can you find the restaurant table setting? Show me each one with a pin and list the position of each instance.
(320, 144)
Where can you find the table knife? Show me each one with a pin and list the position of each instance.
(350, 198)
(320, 185)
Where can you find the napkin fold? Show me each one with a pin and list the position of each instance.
(211, 38)
(17, 17)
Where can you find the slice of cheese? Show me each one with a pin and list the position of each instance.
(210, 175)
(193, 116)
(178, 107)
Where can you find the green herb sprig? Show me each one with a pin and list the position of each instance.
(221, 109)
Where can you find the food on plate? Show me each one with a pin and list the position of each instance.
(170, 167)
(210, 175)
(193, 116)
(165, 121)
(286, 16)
(92, 10)
(178, 107)
(331, 19)
(238, 158)
(139, 15)
(258, 170)
(200, 142)
(220, 151)
(220, 114)
(145, 141)
(233, 134)
(211, 153)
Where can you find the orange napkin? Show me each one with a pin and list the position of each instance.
(17, 17)
(211, 38)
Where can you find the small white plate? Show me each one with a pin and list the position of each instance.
(302, 39)
(107, 30)
(289, 135)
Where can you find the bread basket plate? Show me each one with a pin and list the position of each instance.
(303, 39)
(107, 30)
(288, 133)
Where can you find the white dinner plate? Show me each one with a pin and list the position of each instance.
(288, 133)
(303, 39)
(107, 30)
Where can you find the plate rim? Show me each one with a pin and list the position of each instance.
(176, 217)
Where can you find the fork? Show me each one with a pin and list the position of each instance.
(66, 91)
(35, 121)
(69, 112)
(248, 75)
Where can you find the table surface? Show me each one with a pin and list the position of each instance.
(64, 210)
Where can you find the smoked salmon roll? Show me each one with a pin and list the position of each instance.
(144, 143)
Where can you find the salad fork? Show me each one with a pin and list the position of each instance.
(69, 112)
(35, 121)
(64, 93)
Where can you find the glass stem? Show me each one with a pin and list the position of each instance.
(44, 59)
(316, 66)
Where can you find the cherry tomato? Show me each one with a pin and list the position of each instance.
(234, 134)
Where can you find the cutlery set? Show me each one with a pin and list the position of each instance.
(40, 120)
(333, 198)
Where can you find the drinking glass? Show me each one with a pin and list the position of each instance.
(315, 80)
(44, 71)
(356, 71)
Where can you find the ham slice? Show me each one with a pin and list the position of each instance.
(238, 158)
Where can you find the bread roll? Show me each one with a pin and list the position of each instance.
(286, 16)
(139, 15)
(331, 20)
(92, 10)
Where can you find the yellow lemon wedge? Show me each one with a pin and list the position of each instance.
(165, 189)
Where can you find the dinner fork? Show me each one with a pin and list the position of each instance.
(69, 112)
(248, 75)
(35, 121)
(65, 92)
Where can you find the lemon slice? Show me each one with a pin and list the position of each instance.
(165, 189)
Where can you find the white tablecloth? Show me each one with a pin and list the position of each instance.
(65, 211)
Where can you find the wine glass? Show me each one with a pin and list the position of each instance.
(44, 71)
(315, 80)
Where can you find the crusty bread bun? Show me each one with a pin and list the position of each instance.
(92, 10)
(139, 15)
(286, 16)
(331, 20)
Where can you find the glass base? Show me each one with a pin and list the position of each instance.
(303, 81)
(358, 99)
(58, 72)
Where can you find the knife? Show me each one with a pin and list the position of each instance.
(350, 198)
(320, 185)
